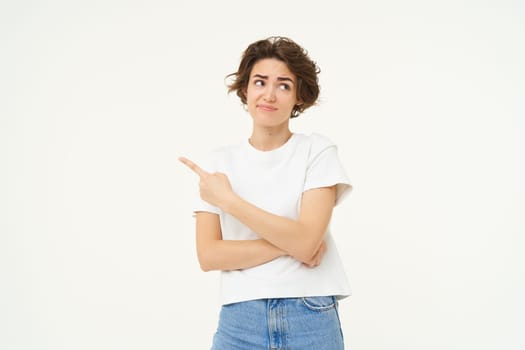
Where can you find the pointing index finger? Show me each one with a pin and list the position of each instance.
(194, 167)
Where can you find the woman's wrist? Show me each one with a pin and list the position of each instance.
(230, 202)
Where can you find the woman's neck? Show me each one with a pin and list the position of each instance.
(267, 139)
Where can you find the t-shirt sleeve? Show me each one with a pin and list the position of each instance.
(325, 169)
(198, 203)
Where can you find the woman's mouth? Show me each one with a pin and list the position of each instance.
(267, 108)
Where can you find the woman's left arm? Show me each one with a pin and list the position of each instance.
(300, 238)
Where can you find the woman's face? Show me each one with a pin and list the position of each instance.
(271, 93)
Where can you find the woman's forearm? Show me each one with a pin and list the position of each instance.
(234, 255)
(299, 238)
(283, 232)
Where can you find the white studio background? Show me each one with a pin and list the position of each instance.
(99, 98)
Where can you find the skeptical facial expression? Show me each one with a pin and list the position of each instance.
(271, 93)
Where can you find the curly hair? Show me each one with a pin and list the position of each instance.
(294, 56)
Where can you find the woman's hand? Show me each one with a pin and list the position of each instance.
(215, 188)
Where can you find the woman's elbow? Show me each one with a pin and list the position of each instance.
(206, 268)
(212, 264)
(206, 263)
(207, 254)
(306, 252)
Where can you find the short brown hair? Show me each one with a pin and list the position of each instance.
(293, 55)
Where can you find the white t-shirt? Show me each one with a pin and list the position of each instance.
(274, 181)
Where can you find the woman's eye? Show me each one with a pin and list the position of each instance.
(284, 87)
(258, 83)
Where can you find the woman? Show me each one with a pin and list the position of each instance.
(263, 219)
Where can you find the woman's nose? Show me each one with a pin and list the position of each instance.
(269, 93)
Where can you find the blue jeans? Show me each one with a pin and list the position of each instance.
(310, 323)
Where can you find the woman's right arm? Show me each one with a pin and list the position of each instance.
(214, 253)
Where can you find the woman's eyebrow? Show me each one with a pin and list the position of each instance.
(285, 79)
(265, 77)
